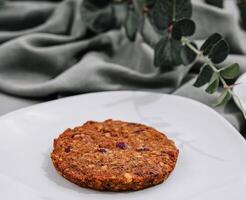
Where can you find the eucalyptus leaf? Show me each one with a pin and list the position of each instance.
(164, 12)
(167, 52)
(187, 55)
(219, 52)
(150, 36)
(210, 42)
(183, 27)
(132, 23)
(204, 76)
(157, 18)
(138, 5)
(120, 11)
(223, 99)
(230, 72)
(213, 84)
(181, 9)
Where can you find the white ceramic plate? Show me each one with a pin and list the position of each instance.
(211, 165)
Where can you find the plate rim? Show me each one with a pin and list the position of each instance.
(238, 134)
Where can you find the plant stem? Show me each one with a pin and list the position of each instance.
(174, 10)
(186, 42)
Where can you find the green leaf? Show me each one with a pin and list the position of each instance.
(209, 43)
(204, 76)
(167, 52)
(223, 99)
(219, 52)
(120, 11)
(181, 9)
(230, 72)
(132, 23)
(213, 84)
(160, 21)
(139, 4)
(150, 36)
(187, 55)
(165, 12)
(218, 3)
(183, 27)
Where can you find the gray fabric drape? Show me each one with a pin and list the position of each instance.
(47, 52)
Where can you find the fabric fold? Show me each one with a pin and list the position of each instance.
(46, 51)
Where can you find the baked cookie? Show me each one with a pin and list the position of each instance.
(114, 155)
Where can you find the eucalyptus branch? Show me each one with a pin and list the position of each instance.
(165, 26)
(200, 55)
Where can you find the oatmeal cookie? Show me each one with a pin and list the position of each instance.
(114, 155)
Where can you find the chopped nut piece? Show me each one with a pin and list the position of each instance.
(143, 149)
(104, 167)
(107, 134)
(128, 177)
(99, 128)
